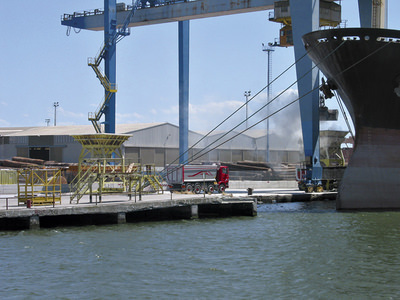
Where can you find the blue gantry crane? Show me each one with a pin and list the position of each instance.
(116, 18)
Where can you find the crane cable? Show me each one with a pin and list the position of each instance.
(200, 154)
(316, 65)
(170, 170)
(243, 105)
(262, 120)
(69, 30)
(268, 103)
(339, 101)
(297, 99)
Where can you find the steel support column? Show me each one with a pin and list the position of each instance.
(367, 13)
(305, 18)
(110, 27)
(183, 91)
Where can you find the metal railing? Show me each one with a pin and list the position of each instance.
(100, 11)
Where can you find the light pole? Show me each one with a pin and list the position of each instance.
(47, 121)
(55, 104)
(247, 95)
(268, 49)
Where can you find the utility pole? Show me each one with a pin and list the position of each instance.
(268, 49)
(55, 104)
(247, 94)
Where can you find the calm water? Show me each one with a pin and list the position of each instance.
(289, 251)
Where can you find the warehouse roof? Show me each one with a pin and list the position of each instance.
(70, 130)
(288, 142)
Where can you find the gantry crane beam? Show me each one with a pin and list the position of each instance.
(176, 11)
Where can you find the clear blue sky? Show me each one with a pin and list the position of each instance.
(41, 65)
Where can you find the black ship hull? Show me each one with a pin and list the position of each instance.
(364, 65)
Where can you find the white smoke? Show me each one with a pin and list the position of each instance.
(284, 123)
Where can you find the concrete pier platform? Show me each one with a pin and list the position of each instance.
(117, 209)
(120, 208)
(294, 197)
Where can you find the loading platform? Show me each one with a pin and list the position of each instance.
(102, 168)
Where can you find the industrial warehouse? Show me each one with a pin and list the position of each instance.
(150, 143)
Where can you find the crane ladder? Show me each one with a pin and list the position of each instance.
(94, 63)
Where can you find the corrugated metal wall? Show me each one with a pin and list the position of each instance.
(159, 145)
(8, 177)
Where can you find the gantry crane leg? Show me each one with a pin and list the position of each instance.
(305, 18)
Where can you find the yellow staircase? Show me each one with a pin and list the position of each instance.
(82, 183)
(110, 89)
(150, 180)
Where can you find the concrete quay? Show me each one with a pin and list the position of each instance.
(120, 208)
(282, 196)
(117, 209)
(276, 192)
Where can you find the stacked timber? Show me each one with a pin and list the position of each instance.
(247, 166)
(16, 164)
(256, 165)
(25, 162)
(34, 161)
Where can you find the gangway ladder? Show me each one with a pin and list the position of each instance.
(94, 63)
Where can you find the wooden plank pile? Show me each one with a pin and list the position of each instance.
(25, 162)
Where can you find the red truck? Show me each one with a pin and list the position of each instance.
(195, 178)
